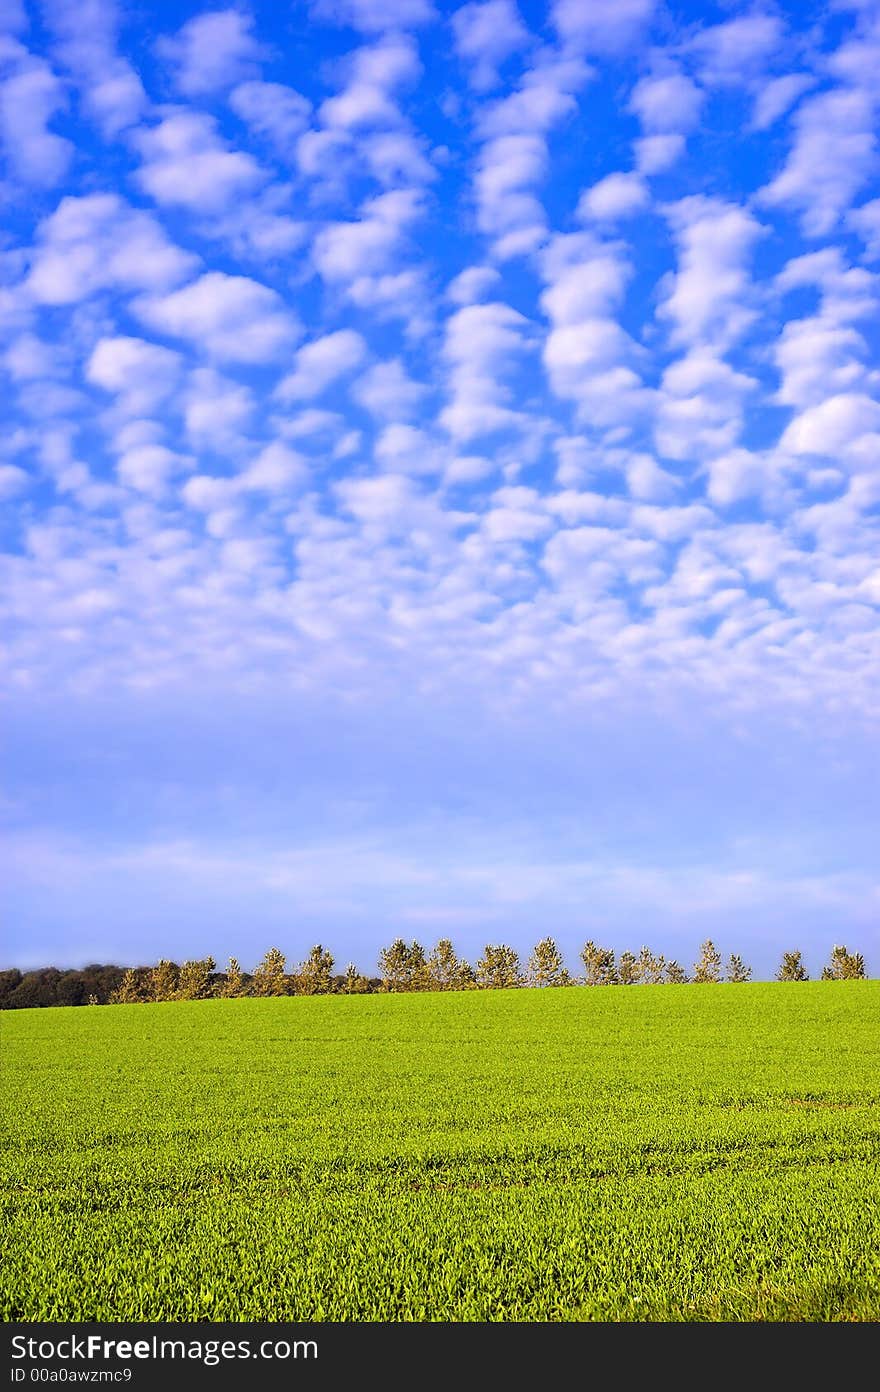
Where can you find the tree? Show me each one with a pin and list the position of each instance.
(419, 976)
(791, 968)
(315, 976)
(675, 974)
(446, 970)
(394, 966)
(130, 990)
(498, 968)
(627, 969)
(404, 968)
(546, 966)
(353, 984)
(708, 965)
(195, 981)
(844, 966)
(269, 978)
(233, 986)
(163, 981)
(599, 966)
(737, 971)
(650, 968)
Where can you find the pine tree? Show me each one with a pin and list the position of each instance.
(737, 971)
(627, 969)
(233, 986)
(419, 976)
(130, 990)
(498, 968)
(467, 977)
(269, 978)
(599, 965)
(791, 968)
(708, 966)
(353, 984)
(650, 969)
(163, 981)
(446, 970)
(546, 966)
(403, 967)
(844, 966)
(315, 976)
(194, 982)
(675, 974)
(394, 966)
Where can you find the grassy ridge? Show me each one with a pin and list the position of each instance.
(656, 1153)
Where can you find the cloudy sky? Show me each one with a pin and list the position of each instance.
(440, 476)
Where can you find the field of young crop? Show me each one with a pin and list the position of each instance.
(669, 1152)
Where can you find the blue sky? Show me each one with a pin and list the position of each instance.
(440, 476)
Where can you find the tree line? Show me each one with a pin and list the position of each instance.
(402, 967)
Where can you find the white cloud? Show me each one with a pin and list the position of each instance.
(656, 153)
(141, 374)
(847, 292)
(260, 228)
(388, 392)
(322, 548)
(647, 481)
(346, 251)
(29, 357)
(403, 296)
(472, 284)
(273, 112)
(98, 243)
(390, 502)
(709, 299)
(110, 89)
(28, 102)
(375, 72)
(187, 165)
(12, 16)
(585, 278)
(405, 449)
(587, 354)
(602, 26)
(276, 469)
(833, 425)
(149, 468)
(616, 196)
(736, 475)
(832, 157)
(212, 52)
(374, 16)
(232, 318)
(816, 357)
(700, 409)
(486, 34)
(543, 98)
(507, 209)
(779, 95)
(731, 53)
(667, 104)
(13, 480)
(320, 363)
(866, 221)
(480, 343)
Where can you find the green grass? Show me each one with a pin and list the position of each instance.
(657, 1153)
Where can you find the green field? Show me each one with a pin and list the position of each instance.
(657, 1153)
